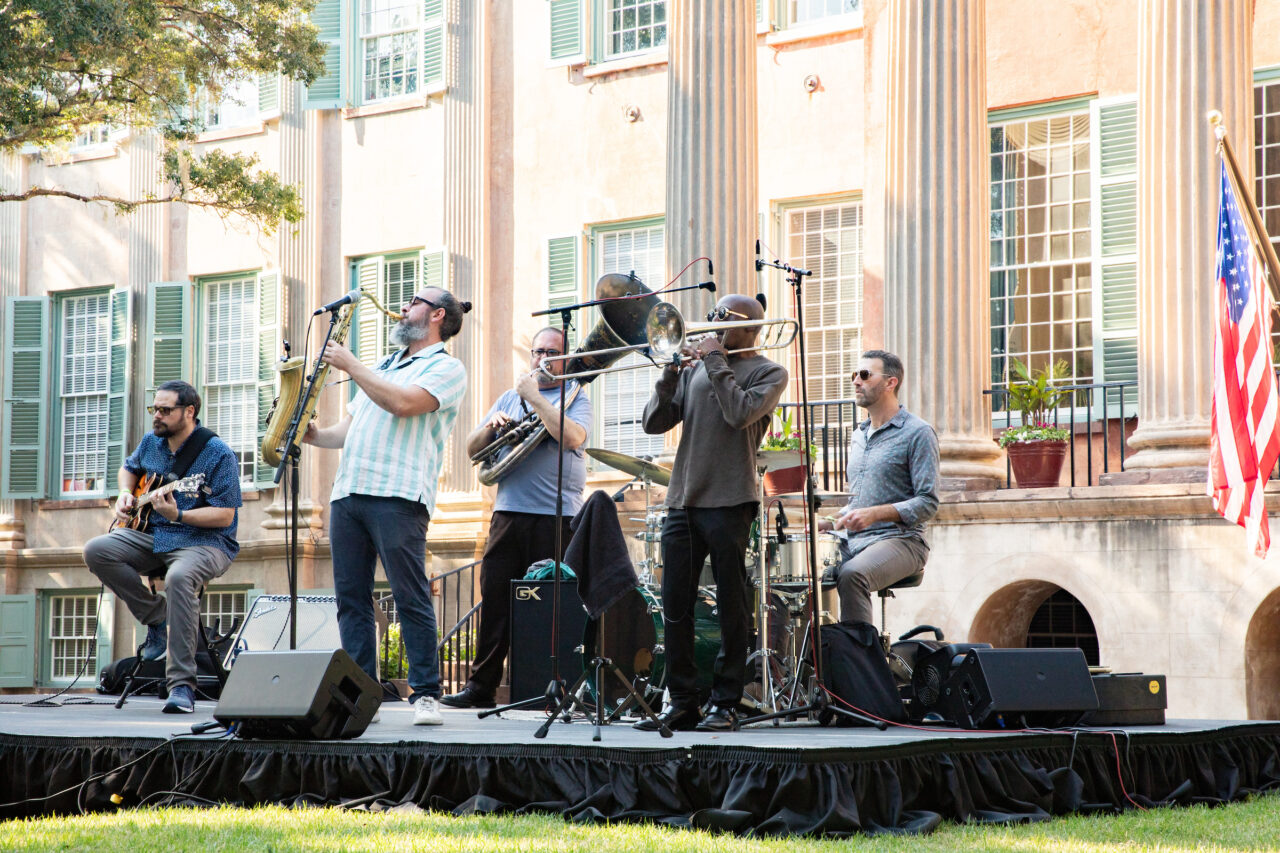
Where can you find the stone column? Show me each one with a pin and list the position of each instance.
(148, 258)
(712, 149)
(300, 165)
(936, 219)
(12, 527)
(466, 205)
(1193, 57)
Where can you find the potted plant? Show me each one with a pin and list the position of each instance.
(1036, 448)
(781, 457)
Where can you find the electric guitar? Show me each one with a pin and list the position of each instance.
(147, 491)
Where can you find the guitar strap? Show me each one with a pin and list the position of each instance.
(187, 455)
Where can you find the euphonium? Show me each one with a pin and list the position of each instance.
(291, 384)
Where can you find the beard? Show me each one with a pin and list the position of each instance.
(161, 429)
(405, 333)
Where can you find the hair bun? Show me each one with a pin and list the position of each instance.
(466, 307)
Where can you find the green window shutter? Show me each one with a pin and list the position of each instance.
(268, 93)
(368, 319)
(432, 43)
(567, 42)
(169, 333)
(268, 354)
(118, 386)
(562, 278)
(431, 264)
(105, 632)
(1117, 243)
(26, 397)
(327, 92)
(17, 640)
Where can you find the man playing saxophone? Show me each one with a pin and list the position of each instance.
(392, 440)
(522, 530)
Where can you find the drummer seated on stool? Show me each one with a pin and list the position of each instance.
(892, 480)
(522, 530)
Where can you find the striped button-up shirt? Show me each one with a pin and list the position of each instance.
(389, 456)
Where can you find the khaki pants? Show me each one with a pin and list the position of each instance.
(875, 567)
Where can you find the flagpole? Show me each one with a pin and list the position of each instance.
(1253, 218)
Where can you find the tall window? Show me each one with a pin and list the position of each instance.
(620, 405)
(804, 11)
(390, 42)
(73, 631)
(1266, 164)
(230, 371)
(827, 239)
(1041, 252)
(82, 392)
(236, 106)
(632, 26)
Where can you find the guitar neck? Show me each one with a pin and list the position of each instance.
(148, 497)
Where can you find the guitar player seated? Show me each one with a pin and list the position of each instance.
(176, 516)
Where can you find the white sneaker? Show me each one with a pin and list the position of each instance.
(377, 717)
(426, 712)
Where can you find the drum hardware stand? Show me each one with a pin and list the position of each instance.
(819, 701)
(768, 700)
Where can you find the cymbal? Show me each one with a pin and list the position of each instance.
(632, 465)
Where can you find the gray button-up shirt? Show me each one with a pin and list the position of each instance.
(896, 464)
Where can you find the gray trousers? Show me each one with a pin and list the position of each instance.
(875, 567)
(120, 559)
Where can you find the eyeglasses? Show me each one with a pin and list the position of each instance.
(545, 353)
(416, 299)
(864, 375)
(722, 313)
(163, 411)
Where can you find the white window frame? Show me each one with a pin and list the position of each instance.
(605, 12)
(800, 13)
(222, 606)
(236, 106)
(1086, 305)
(230, 364)
(49, 641)
(369, 34)
(89, 373)
(607, 257)
(847, 307)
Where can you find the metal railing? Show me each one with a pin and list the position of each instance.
(456, 607)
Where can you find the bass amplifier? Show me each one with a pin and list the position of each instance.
(529, 661)
(1128, 699)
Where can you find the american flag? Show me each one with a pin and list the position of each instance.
(1243, 443)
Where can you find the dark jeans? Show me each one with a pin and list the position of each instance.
(688, 536)
(517, 540)
(362, 530)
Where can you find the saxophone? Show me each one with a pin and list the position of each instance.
(291, 384)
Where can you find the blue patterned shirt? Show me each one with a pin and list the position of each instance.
(393, 457)
(221, 472)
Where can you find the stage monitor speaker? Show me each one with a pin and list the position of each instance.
(266, 625)
(298, 695)
(1018, 688)
(529, 661)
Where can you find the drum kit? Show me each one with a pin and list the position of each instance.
(779, 674)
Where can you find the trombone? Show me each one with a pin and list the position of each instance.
(667, 334)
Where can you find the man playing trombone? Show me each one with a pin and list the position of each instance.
(522, 530)
(724, 392)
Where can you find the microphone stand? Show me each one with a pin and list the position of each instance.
(818, 701)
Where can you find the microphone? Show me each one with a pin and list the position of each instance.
(763, 300)
(781, 524)
(711, 267)
(708, 285)
(350, 299)
(759, 263)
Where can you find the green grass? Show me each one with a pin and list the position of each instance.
(1253, 825)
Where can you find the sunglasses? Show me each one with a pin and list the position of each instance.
(416, 299)
(163, 411)
(864, 375)
(722, 313)
(545, 353)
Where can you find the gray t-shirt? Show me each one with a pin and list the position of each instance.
(531, 486)
(897, 464)
(725, 406)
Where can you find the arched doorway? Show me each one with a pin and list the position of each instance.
(1036, 614)
(1262, 661)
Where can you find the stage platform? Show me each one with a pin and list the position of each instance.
(795, 778)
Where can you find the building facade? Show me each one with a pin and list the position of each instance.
(969, 182)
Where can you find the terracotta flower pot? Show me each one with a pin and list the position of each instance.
(784, 481)
(1036, 464)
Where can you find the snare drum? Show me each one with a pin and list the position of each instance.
(789, 563)
(633, 639)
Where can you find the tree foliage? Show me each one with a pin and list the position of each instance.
(68, 65)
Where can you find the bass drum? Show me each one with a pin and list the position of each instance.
(632, 637)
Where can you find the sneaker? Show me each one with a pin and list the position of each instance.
(157, 642)
(181, 701)
(426, 712)
(377, 717)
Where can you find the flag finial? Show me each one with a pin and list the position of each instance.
(1215, 119)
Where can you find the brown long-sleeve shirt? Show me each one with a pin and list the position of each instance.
(725, 405)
